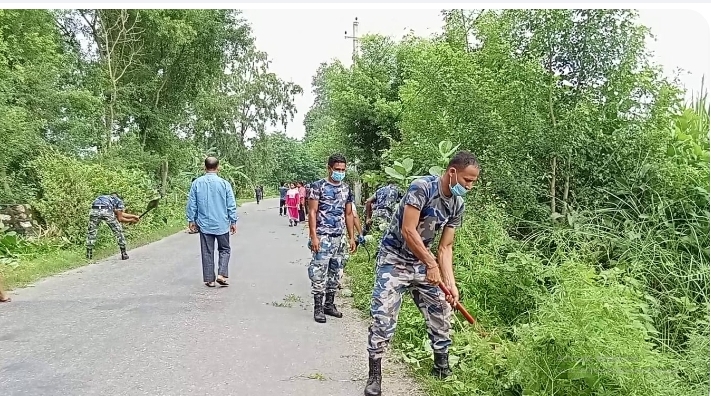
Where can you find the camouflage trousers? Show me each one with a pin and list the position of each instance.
(96, 216)
(326, 265)
(391, 282)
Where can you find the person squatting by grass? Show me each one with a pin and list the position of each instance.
(108, 208)
(380, 206)
(329, 209)
(404, 263)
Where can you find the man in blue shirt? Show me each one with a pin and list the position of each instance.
(330, 213)
(212, 210)
(110, 209)
(432, 205)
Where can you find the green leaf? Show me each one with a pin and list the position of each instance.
(393, 173)
(407, 163)
(436, 170)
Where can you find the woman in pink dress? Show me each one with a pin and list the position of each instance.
(293, 199)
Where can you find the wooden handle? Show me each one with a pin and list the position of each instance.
(459, 305)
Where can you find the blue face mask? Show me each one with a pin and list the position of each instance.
(338, 176)
(457, 190)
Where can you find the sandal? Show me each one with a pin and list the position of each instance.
(5, 300)
(222, 282)
(210, 284)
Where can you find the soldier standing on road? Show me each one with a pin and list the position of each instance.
(381, 205)
(405, 263)
(108, 208)
(329, 214)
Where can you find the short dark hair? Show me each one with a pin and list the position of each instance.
(211, 163)
(336, 159)
(463, 159)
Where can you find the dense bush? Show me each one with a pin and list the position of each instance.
(585, 246)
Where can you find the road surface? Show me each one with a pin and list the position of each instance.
(149, 326)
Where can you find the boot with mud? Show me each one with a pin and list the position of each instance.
(329, 308)
(318, 308)
(441, 368)
(124, 255)
(375, 376)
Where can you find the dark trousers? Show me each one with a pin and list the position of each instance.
(282, 207)
(207, 248)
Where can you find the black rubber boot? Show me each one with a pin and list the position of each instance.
(329, 308)
(318, 308)
(372, 388)
(124, 255)
(441, 368)
(89, 253)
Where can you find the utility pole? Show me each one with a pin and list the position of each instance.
(355, 39)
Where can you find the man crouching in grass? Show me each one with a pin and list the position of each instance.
(405, 263)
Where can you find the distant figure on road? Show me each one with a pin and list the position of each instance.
(258, 193)
(108, 208)
(404, 263)
(344, 247)
(292, 204)
(302, 201)
(329, 214)
(282, 199)
(212, 210)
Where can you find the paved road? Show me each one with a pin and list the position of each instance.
(148, 326)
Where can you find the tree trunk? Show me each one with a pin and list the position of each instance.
(554, 164)
(164, 178)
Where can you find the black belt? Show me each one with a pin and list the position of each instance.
(100, 207)
(331, 235)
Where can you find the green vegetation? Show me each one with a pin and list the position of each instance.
(585, 248)
(96, 101)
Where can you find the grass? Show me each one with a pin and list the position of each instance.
(59, 261)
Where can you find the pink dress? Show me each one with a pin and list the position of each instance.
(292, 203)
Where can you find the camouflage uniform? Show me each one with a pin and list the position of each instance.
(102, 209)
(398, 269)
(330, 229)
(385, 200)
(345, 248)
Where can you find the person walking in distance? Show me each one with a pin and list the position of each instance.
(302, 202)
(212, 210)
(258, 193)
(282, 199)
(110, 209)
(292, 204)
(329, 214)
(405, 263)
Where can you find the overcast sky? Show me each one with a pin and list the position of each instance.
(297, 41)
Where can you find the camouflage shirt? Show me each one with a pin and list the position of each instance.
(109, 201)
(436, 211)
(385, 198)
(332, 199)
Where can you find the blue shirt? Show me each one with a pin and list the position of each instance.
(109, 201)
(386, 198)
(436, 212)
(332, 200)
(211, 204)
